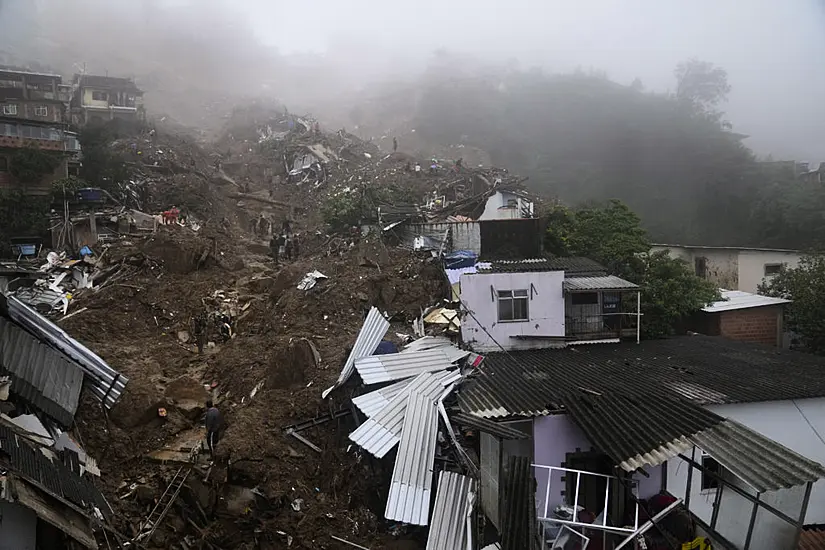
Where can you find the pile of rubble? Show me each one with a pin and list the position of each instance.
(196, 309)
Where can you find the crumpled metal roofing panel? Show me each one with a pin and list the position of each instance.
(502, 431)
(40, 374)
(372, 332)
(397, 366)
(105, 383)
(373, 402)
(379, 434)
(26, 459)
(412, 477)
(454, 502)
(609, 282)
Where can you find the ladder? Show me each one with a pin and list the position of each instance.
(164, 504)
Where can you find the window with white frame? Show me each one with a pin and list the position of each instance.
(100, 96)
(41, 110)
(710, 465)
(10, 109)
(512, 305)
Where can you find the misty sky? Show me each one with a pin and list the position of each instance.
(772, 50)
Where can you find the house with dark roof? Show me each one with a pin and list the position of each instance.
(544, 302)
(45, 495)
(101, 98)
(729, 433)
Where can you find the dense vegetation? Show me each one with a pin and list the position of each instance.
(671, 157)
(613, 235)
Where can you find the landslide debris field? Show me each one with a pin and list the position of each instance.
(265, 489)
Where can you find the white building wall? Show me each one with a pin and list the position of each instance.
(752, 266)
(798, 425)
(770, 532)
(18, 527)
(496, 207)
(545, 310)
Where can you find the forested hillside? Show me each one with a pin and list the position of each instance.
(671, 156)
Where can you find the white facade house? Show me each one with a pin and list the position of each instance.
(541, 303)
(717, 425)
(733, 268)
(505, 205)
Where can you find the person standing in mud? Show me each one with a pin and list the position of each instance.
(395, 145)
(200, 330)
(274, 247)
(214, 424)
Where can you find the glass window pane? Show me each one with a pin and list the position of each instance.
(520, 309)
(505, 293)
(505, 310)
(519, 293)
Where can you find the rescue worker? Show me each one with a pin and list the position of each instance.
(288, 248)
(394, 145)
(200, 330)
(274, 246)
(214, 424)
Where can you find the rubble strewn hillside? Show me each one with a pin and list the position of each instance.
(271, 347)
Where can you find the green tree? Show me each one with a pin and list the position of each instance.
(701, 85)
(670, 291)
(30, 165)
(805, 286)
(613, 235)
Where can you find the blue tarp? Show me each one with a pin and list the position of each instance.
(385, 347)
(459, 259)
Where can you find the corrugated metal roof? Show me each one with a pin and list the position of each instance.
(608, 282)
(637, 432)
(397, 366)
(427, 342)
(105, 383)
(372, 332)
(519, 505)
(379, 434)
(412, 477)
(761, 462)
(26, 459)
(454, 502)
(702, 369)
(40, 374)
(373, 402)
(497, 429)
(570, 265)
(737, 299)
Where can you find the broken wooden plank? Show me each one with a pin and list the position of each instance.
(304, 440)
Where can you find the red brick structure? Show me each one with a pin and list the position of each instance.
(744, 317)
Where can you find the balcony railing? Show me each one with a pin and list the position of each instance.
(596, 325)
(568, 509)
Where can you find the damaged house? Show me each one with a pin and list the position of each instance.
(600, 444)
(32, 116)
(46, 493)
(102, 98)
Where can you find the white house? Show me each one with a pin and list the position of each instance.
(613, 429)
(733, 268)
(539, 303)
(507, 204)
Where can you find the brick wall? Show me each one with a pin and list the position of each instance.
(757, 324)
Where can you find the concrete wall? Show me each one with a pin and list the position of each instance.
(752, 266)
(496, 207)
(770, 532)
(556, 435)
(798, 424)
(732, 268)
(42, 187)
(465, 235)
(18, 527)
(545, 310)
(758, 325)
(89, 101)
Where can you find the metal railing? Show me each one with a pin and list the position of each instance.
(545, 513)
(601, 325)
